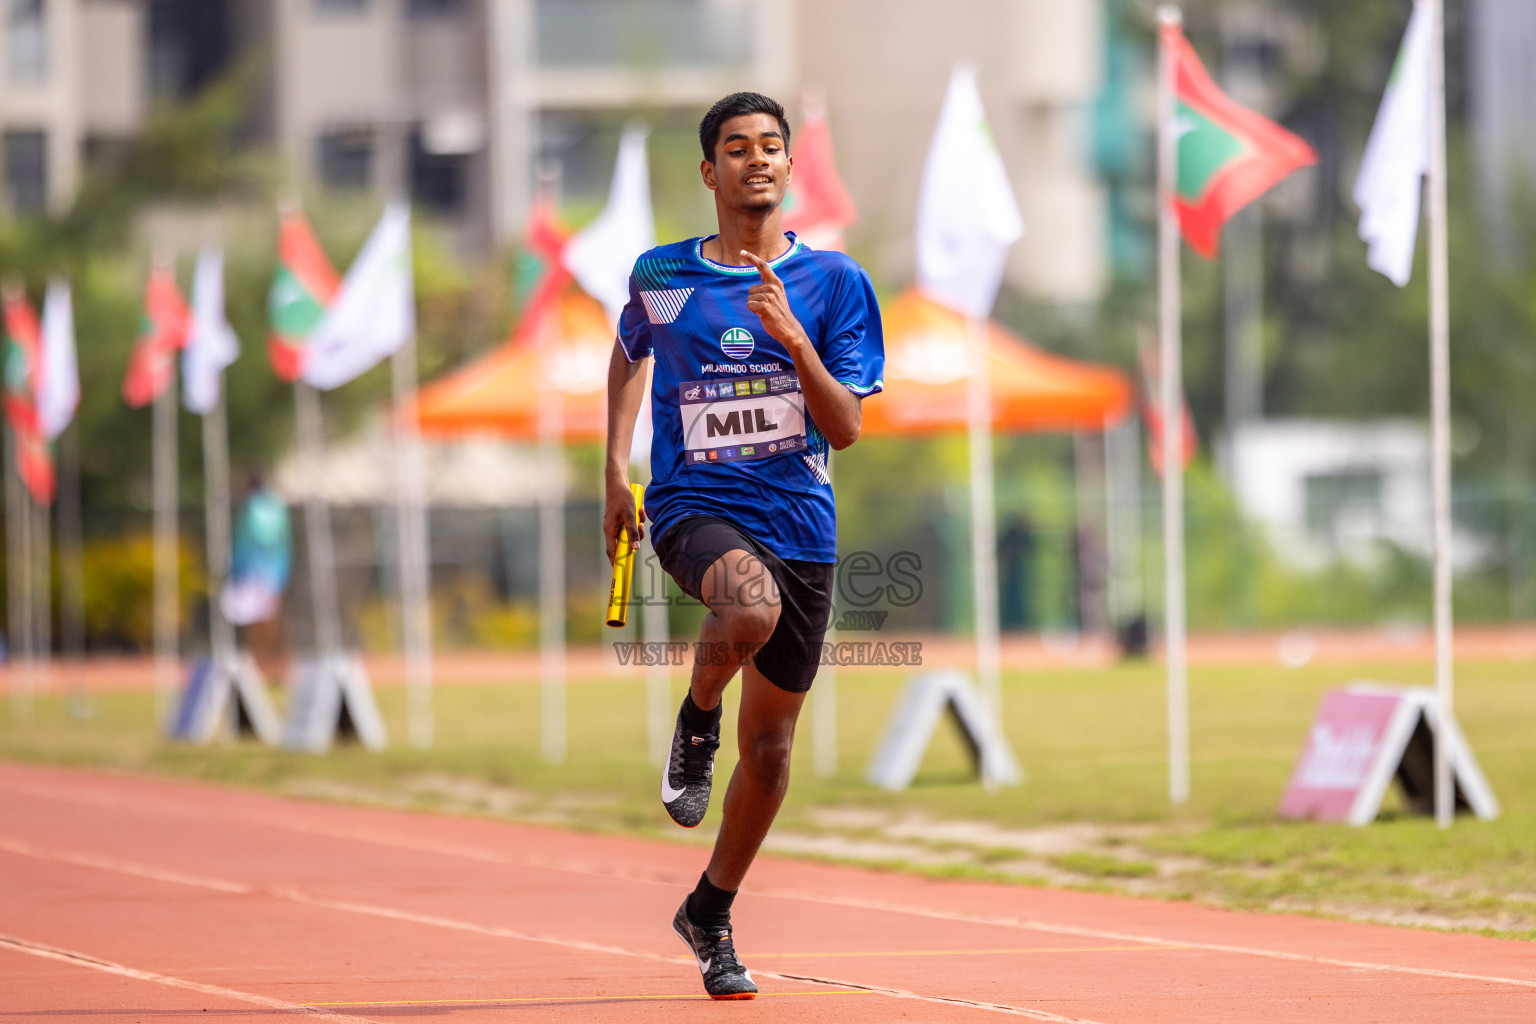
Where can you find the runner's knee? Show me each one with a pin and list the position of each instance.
(750, 623)
(765, 756)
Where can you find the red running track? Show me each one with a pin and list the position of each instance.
(131, 899)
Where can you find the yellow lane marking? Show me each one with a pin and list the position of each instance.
(972, 952)
(582, 999)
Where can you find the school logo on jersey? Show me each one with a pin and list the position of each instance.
(737, 343)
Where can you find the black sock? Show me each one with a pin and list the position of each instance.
(709, 906)
(704, 723)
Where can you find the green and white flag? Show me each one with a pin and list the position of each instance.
(374, 313)
(1397, 157)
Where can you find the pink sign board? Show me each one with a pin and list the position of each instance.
(1345, 749)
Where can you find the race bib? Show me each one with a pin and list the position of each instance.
(744, 418)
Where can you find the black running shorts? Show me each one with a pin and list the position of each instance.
(790, 657)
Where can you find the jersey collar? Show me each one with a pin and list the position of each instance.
(749, 270)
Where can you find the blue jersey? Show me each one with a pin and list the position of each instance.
(732, 437)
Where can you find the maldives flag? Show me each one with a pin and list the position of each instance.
(302, 289)
(818, 207)
(1228, 155)
(541, 273)
(23, 356)
(162, 333)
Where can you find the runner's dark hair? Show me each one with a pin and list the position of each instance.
(736, 105)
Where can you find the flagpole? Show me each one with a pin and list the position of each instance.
(317, 524)
(551, 414)
(983, 520)
(1440, 406)
(42, 604)
(655, 629)
(824, 702)
(217, 512)
(72, 572)
(1169, 17)
(166, 583)
(551, 560)
(414, 561)
(28, 592)
(20, 699)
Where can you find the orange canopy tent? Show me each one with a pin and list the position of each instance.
(926, 348)
(499, 393)
(926, 368)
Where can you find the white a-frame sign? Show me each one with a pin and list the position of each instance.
(911, 727)
(331, 697)
(1366, 736)
(224, 691)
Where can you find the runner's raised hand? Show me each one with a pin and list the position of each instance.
(768, 301)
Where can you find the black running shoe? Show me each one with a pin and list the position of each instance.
(724, 977)
(690, 772)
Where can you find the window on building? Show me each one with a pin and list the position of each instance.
(26, 171)
(439, 181)
(643, 33)
(346, 157)
(190, 44)
(583, 144)
(26, 34)
(1344, 504)
(425, 9)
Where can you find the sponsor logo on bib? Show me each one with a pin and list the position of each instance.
(737, 343)
(745, 419)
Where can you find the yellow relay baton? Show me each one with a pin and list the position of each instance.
(624, 568)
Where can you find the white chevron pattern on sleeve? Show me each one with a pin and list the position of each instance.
(818, 467)
(665, 305)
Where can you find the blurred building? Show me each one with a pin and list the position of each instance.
(71, 80)
(1332, 490)
(1328, 490)
(455, 101)
(884, 65)
(1502, 66)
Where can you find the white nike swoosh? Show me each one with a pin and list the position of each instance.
(668, 794)
(704, 965)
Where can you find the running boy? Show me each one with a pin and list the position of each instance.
(764, 350)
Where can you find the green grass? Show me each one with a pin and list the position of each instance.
(1092, 744)
(1098, 865)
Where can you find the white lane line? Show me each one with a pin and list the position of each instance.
(478, 854)
(67, 956)
(495, 931)
(1096, 933)
(295, 895)
(433, 920)
(975, 1004)
(21, 848)
(265, 818)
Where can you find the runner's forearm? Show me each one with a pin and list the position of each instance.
(833, 408)
(626, 391)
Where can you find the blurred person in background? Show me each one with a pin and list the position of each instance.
(764, 350)
(259, 571)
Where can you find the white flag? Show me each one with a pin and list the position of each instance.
(58, 386)
(1397, 156)
(967, 217)
(211, 342)
(374, 312)
(601, 255)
